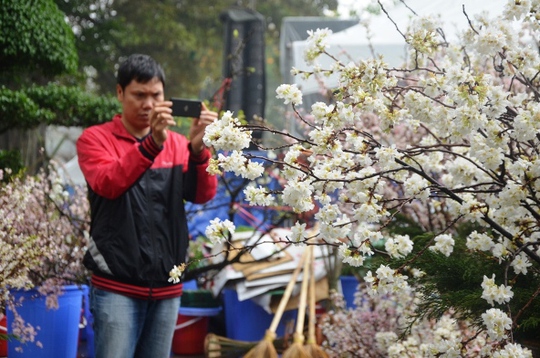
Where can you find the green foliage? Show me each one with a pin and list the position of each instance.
(186, 37)
(53, 104)
(454, 283)
(96, 27)
(17, 110)
(36, 46)
(404, 225)
(10, 159)
(73, 106)
(35, 36)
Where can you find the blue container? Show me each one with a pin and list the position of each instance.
(247, 321)
(58, 329)
(349, 285)
(87, 333)
(190, 285)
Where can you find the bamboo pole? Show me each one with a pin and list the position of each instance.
(265, 348)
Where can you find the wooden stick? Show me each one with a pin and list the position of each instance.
(312, 313)
(303, 294)
(287, 293)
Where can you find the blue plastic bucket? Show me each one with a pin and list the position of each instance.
(58, 329)
(349, 285)
(247, 321)
(190, 285)
(87, 332)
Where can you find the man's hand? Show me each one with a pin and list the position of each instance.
(160, 120)
(196, 132)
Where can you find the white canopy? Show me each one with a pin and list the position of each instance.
(353, 43)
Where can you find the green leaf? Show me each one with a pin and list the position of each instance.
(34, 36)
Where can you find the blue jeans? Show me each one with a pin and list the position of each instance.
(126, 327)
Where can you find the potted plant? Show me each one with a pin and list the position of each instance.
(43, 236)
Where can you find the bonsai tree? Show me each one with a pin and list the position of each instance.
(38, 77)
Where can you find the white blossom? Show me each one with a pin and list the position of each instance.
(526, 123)
(350, 255)
(497, 323)
(298, 232)
(500, 250)
(446, 341)
(290, 94)
(450, 137)
(512, 350)
(422, 34)
(336, 230)
(387, 157)
(235, 162)
(297, 194)
(258, 195)
(490, 39)
(385, 340)
(218, 231)
(416, 186)
(515, 10)
(479, 241)
(316, 44)
(387, 280)
(365, 233)
(520, 264)
(472, 208)
(176, 273)
(320, 111)
(227, 134)
(443, 244)
(525, 58)
(493, 293)
(399, 246)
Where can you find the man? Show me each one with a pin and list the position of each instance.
(139, 174)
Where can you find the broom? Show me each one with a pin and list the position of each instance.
(221, 347)
(265, 348)
(216, 346)
(312, 348)
(296, 350)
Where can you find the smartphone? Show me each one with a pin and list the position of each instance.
(186, 107)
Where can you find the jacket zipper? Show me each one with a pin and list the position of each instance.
(152, 220)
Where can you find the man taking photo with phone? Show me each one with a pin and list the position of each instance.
(139, 173)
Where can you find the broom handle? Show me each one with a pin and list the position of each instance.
(312, 299)
(287, 294)
(303, 294)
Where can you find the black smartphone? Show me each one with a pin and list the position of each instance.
(186, 107)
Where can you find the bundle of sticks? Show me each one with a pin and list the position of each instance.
(271, 346)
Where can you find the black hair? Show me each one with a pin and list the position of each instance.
(141, 68)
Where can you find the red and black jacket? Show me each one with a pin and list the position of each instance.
(136, 192)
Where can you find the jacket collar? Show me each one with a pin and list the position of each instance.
(119, 129)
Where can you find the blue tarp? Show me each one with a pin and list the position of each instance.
(199, 215)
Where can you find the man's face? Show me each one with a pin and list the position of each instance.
(137, 100)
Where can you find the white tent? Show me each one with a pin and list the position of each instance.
(295, 28)
(353, 43)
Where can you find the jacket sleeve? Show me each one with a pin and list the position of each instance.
(200, 186)
(107, 170)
